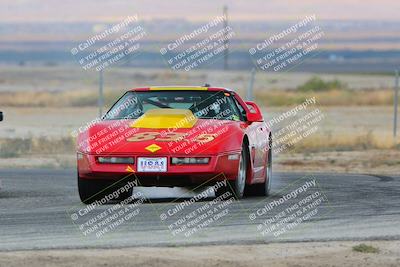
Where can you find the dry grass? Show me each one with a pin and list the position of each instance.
(345, 142)
(264, 97)
(55, 99)
(327, 98)
(16, 147)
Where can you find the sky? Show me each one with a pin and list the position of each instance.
(116, 10)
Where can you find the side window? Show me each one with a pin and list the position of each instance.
(240, 108)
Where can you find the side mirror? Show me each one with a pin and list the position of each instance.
(253, 114)
(1, 116)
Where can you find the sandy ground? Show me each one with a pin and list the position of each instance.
(368, 161)
(278, 254)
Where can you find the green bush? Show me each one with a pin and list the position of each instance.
(363, 248)
(317, 84)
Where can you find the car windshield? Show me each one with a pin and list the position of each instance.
(203, 104)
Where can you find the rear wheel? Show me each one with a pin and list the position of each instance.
(237, 187)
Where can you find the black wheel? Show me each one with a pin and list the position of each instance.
(263, 189)
(125, 195)
(238, 186)
(91, 190)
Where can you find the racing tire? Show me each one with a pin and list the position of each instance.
(125, 195)
(91, 190)
(268, 178)
(263, 189)
(237, 187)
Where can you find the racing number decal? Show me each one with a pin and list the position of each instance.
(142, 136)
(204, 138)
(169, 137)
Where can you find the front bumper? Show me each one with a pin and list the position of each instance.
(220, 167)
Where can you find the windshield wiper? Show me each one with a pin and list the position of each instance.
(158, 104)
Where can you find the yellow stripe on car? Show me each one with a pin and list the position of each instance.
(166, 119)
(173, 88)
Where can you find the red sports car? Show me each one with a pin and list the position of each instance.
(176, 136)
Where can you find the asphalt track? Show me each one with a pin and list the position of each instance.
(36, 207)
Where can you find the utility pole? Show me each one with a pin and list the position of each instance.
(395, 102)
(250, 95)
(226, 40)
(101, 96)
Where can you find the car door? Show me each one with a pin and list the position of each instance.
(254, 131)
(260, 136)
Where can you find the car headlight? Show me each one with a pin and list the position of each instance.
(180, 161)
(116, 160)
(233, 157)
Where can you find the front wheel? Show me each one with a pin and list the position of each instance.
(91, 190)
(237, 187)
(263, 189)
(268, 178)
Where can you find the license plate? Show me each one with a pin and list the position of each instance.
(152, 164)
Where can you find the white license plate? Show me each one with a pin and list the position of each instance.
(152, 164)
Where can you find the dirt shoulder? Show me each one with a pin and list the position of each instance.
(279, 254)
(367, 161)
